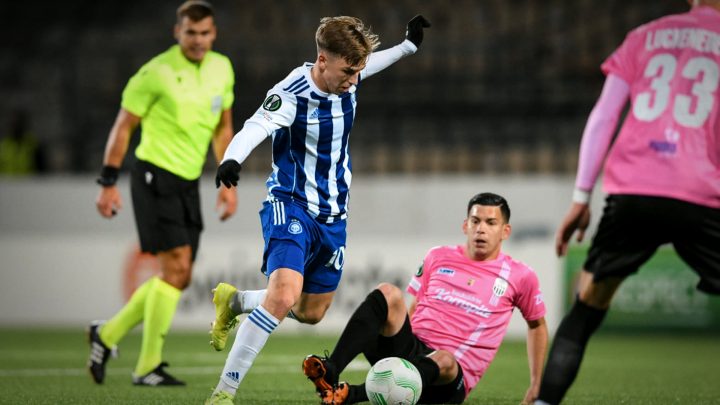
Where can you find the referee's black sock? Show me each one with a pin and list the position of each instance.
(362, 328)
(567, 350)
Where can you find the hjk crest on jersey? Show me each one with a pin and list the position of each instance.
(500, 287)
(295, 228)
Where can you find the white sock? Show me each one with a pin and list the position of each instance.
(245, 302)
(251, 336)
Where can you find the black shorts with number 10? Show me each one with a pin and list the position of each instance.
(167, 209)
(633, 227)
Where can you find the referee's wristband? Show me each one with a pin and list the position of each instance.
(108, 176)
(581, 196)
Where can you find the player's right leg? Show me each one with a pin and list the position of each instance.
(288, 234)
(284, 289)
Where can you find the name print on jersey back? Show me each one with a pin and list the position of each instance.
(672, 68)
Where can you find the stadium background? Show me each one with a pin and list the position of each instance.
(496, 100)
(500, 86)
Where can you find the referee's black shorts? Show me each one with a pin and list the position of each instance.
(167, 209)
(633, 227)
(407, 346)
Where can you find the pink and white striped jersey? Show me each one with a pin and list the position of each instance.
(669, 144)
(464, 306)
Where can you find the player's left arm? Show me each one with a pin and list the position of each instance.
(227, 197)
(594, 146)
(418, 283)
(537, 341)
(412, 306)
(413, 38)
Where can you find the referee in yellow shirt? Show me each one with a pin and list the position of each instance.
(183, 98)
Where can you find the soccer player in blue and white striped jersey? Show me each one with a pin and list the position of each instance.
(309, 115)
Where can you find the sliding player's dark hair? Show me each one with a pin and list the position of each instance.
(493, 200)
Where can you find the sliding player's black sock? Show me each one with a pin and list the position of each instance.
(363, 327)
(567, 350)
(357, 393)
(429, 370)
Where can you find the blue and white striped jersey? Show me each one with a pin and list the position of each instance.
(311, 164)
(310, 130)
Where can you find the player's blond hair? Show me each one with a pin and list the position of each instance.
(346, 37)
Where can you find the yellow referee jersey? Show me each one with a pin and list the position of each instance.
(180, 103)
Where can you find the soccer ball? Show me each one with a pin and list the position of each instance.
(393, 381)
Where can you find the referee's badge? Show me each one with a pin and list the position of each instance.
(216, 104)
(295, 228)
(500, 287)
(272, 103)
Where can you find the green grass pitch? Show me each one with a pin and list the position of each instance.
(47, 367)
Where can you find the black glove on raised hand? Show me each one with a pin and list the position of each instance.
(415, 27)
(228, 173)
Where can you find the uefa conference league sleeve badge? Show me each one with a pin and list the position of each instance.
(272, 103)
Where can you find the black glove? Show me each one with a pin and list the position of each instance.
(415, 27)
(228, 173)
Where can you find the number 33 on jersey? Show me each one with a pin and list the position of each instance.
(670, 134)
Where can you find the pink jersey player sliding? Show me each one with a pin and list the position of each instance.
(662, 173)
(464, 297)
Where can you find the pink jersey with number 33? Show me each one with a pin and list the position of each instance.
(669, 144)
(464, 306)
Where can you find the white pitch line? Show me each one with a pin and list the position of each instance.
(205, 370)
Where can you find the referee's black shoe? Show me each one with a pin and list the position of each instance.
(99, 353)
(157, 377)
